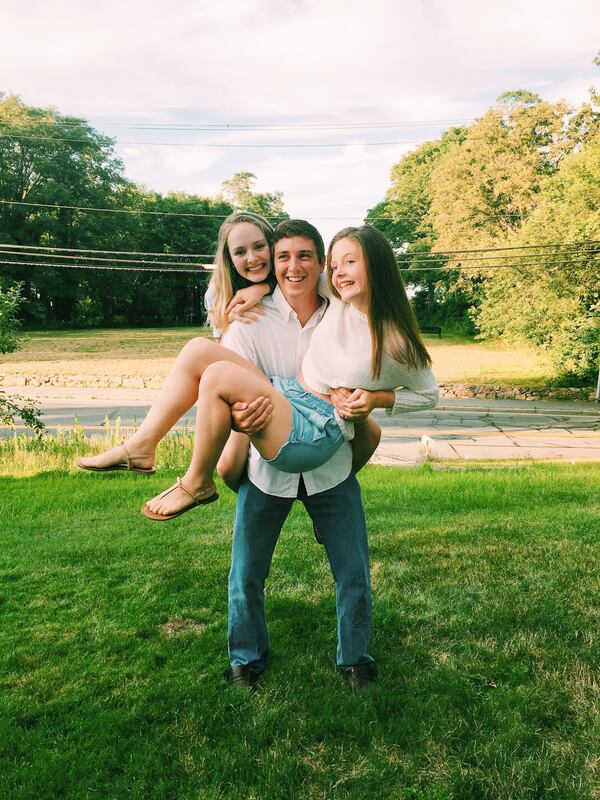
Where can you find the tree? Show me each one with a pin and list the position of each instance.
(11, 407)
(403, 216)
(486, 186)
(555, 306)
(47, 158)
(239, 192)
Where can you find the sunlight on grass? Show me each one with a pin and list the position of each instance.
(113, 640)
(22, 455)
(148, 353)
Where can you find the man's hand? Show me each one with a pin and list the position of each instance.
(245, 306)
(354, 406)
(250, 418)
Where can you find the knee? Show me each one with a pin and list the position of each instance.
(196, 348)
(218, 373)
(230, 471)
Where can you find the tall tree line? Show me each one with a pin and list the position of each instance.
(48, 158)
(525, 175)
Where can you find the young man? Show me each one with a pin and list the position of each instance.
(276, 343)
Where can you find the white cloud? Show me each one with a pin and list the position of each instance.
(290, 61)
(171, 169)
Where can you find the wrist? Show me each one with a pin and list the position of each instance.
(385, 399)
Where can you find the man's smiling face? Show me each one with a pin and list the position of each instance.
(297, 267)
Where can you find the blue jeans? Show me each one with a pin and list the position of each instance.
(259, 517)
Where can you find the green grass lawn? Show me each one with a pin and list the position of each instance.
(113, 642)
(149, 352)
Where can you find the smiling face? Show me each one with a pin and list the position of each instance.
(297, 268)
(349, 273)
(249, 252)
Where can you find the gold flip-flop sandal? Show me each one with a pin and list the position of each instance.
(196, 501)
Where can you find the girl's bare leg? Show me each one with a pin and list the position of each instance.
(233, 460)
(178, 395)
(222, 385)
(367, 436)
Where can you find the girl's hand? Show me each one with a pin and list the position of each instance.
(356, 405)
(244, 305)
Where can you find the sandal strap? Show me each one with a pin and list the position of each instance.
(196, 496)
(129, 458)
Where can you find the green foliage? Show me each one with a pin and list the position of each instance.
(11, 407)
(239, 191)
(47, 158)
(523, 96)
(557, 306)
(10, 300)
(526, 173)
(437, 300)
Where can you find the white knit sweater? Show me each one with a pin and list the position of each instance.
(340, 355)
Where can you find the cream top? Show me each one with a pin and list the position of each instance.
(340, 355)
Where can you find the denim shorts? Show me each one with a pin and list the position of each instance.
(315, 436)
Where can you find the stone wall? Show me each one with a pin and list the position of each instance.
(481, 391)
(499, 392)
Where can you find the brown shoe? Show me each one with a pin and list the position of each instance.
(127, 465)
(198, 499)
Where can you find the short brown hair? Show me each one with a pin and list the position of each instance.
(300, 227)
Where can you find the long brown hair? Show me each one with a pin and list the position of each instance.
(225, 279)
(392, 322)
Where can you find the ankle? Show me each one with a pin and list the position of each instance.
(140, 447)
(197, 483)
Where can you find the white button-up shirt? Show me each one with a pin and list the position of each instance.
(276, 344)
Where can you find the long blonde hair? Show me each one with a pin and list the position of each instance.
(225, 279)
(392, 322)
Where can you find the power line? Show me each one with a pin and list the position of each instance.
(94, 258)
(208, 268)
(210, 144)
(405, 258)
(119, 210)
(570, 253)
(194, 270)
(443, 253)
(209, 216)
(232, 126)
(112, 252)
(526, 265)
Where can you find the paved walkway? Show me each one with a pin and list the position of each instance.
(460, 429)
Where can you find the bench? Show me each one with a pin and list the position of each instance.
(432, 329)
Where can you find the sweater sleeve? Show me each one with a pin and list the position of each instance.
(423, 396)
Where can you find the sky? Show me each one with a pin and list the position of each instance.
(366, 82)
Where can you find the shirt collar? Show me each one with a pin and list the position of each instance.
(287, 312)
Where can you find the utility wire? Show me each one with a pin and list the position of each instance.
(215, 216)
(192, 270)
(442, 253)
(208, 144)
(112, 252)
(568, 249)
(233, 126)
(558, 255)
(208, 268)
(96, 258)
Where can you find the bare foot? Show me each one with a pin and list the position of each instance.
(120, 457)
(179, 498)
